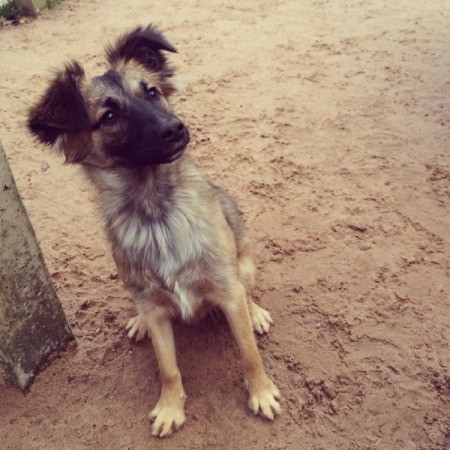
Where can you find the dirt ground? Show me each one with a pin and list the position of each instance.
(330, 124)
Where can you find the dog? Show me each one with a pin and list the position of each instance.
(178, 240)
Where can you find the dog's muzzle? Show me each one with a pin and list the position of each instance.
(175, 136)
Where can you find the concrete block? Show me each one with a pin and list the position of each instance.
(32, 322)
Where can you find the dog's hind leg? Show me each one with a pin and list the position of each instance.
(246, 267)
(261, 319)
(168, 414)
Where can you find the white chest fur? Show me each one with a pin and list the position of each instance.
(166, 245)
(162, 237)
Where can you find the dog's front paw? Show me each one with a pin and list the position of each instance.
(260, 318)
(137, 327)
(167, 417)
(265, 400)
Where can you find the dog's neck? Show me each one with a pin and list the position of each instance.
(143, 191)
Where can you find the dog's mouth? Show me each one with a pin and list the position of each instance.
(174, 154)
(176, 151)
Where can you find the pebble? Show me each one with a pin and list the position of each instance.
(44, 166)
(329, 389)
(334, 406)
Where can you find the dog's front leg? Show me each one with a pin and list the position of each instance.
(264, 394)
(168, 414)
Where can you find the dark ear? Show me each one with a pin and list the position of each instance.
(142, 45)
(62, 110)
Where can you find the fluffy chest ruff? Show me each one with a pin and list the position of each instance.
(161, 230)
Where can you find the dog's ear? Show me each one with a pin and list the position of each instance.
(62, 113)
(144, 46)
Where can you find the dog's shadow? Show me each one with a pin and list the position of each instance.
(206, 345)
(209, 362)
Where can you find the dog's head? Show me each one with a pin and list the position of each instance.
(121, 117)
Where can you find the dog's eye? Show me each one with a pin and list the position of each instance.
(153, 93)
(109, 118)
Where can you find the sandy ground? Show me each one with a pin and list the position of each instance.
(318, 117)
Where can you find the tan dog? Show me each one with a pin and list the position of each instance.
(178, 241)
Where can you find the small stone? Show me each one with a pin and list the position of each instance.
(44, 166)
(334, 406)
(329, 389)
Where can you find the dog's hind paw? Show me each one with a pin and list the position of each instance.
(261, 319)
(137, 327)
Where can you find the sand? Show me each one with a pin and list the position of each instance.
(330, 124)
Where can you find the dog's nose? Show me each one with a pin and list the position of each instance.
(172, 131)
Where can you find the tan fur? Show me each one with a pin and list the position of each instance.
(178, 242)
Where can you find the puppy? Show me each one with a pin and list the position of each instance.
(178, 241)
